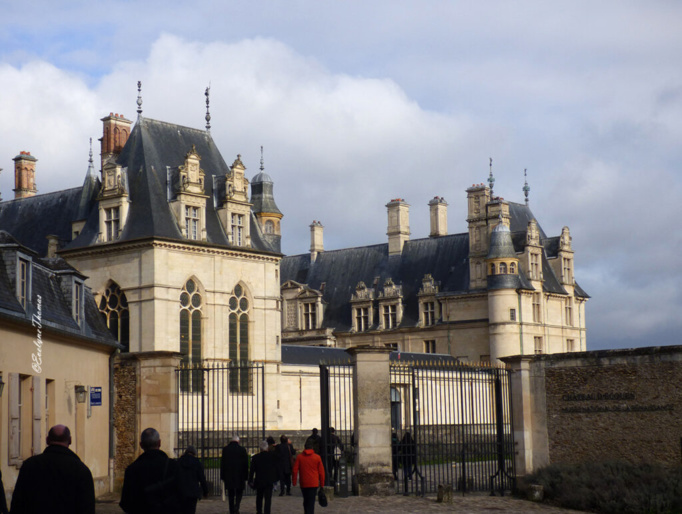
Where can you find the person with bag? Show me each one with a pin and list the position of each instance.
(309, 471)
(192, 480)
(151, 483)
(262, 476)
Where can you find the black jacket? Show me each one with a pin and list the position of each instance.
(263, 471)
(234, 466)
(284, 453)
(56, 481)
(192, 479)
(152, 467)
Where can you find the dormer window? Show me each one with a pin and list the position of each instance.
(238, 229)
(362, 302)
(23, 281)
(309, 316)
(567, 270)
(112, 223)
(390, 316)
(192, 222)
(429, 313)
(77, 301)
(362, 319)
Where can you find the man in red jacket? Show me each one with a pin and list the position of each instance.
(309, 465)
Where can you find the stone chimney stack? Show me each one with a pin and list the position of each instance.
(24, 175)
(115, 133)
(52, 246)
(316, 244)
(438, 209)
(398, 225)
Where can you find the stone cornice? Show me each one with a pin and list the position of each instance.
(172, 245)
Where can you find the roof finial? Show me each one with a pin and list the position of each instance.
(491, 179)
(262, 167)
(208, 114)
(91, 165)
(526, 187)
(139, 99)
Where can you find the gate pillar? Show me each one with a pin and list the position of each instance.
(372, 415)
(529, 413)
(158, 397)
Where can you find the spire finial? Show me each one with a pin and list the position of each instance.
(91, 165)
(139, 99)
(208, 114)
(491, 179)
(526, 187)
(262, 167)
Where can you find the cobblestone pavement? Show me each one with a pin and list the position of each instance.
(396, 504)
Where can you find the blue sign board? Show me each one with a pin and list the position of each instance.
(96, 396)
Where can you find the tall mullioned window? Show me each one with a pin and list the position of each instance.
(238, 340)
(191, 303)
(429, 313)
(114, 308)
(390, 316)
(362, 318)
(238, 229)
(310, 316)
(111, 223)
(192, 222)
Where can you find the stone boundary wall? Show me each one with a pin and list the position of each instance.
(601, 405)
(126, 371)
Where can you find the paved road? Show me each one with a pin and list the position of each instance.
(396, 504)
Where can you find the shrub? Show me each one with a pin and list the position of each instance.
(612, 487)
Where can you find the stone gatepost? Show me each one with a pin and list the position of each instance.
(372, 415)
(158, 396)
(530, 413)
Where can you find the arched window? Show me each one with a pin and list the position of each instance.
(238, 328)
(492, 269)
(114, 309)
(512, 268)
(190, 335)
(269, 227)
(503, 268)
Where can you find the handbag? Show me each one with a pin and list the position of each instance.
(321, 497)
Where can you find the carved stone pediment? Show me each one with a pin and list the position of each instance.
(362, 293)
(191, 174)
(429, 286)
(533, 233)
(391, 290)
(565, 240)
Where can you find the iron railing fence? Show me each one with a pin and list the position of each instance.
(217, 400)
(451, 425)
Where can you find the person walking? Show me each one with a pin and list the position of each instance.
(408, 450)
(262, 476)
(55, 481)
(192, 481)
(150, 484)
(284, 453)
(234, 471)
(316, 440)
(309, 468)
(334, 453)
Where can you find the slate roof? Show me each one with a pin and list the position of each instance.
(152, 147)
(314, 355)
(55, 313)
(336, 273)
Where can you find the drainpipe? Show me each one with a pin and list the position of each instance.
(518, 296)
(111, 420)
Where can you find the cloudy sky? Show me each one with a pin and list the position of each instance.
(357, 103)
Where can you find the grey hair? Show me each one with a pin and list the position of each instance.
(264, 446)
(235, 438)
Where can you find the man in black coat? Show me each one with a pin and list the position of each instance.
(56, 481)
(284, 456)
(151, 484)
(262, 476)
(192, 481)
(234, 470)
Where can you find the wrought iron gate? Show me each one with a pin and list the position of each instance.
(216, 401)
(338, 440)
(451, 424)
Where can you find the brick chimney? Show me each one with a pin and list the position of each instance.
(115, 132)
(24, 175)
(316, 244)
(398, 225)
(438, 210)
